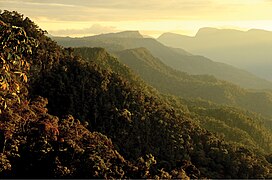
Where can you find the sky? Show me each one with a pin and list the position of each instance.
(150, 17)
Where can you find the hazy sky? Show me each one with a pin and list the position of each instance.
(151, 17)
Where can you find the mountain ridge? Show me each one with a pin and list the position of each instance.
(191, 86)
(248, 50)
(168, 80)
(176, 58)
(122, 34)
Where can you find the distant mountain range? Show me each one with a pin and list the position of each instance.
(250, 50)
(176, 58)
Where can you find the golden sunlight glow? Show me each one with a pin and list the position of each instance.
(69, 18)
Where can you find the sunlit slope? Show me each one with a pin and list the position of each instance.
(234, 124)
(168, 80)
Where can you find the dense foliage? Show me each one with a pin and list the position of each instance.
(33, 143)
(125, 128)
(235, 124)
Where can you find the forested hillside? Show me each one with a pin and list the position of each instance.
(235, 124)
(65, 117)
(171, 81)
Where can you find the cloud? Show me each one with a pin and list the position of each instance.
(140, 10)
(94, 29)
(112, 10)
(71, 15)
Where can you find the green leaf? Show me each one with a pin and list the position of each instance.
(9, 56)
